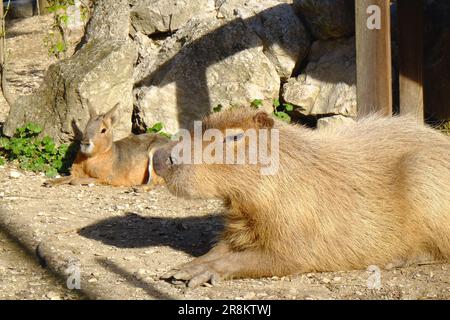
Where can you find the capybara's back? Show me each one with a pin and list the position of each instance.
(374, 192)
(379, 191)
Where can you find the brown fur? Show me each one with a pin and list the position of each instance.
(118, 163)
(375, 192)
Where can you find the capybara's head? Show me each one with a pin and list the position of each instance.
(219, 154)
(98, 135)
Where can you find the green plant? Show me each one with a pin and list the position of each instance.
(33, 153)
(158, 128)
(256, 103)
(218, 108)
(281, 110)
(55, 40)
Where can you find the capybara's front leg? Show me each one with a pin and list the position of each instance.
(230, 265)
(219, 250)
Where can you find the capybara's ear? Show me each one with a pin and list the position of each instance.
(263, 120)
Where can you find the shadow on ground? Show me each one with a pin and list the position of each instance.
(193, 235)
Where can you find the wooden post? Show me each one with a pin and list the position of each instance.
(411, 57)
(41, 6)
(373, 56)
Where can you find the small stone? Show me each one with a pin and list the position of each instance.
(129, 258)
(249, 295)
(53, 295)
(262, 294)
(326, 280)
(14, 174)
(91, 280)
(337, 279)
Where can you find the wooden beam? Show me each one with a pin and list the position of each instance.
(411, 57)
(373, 56)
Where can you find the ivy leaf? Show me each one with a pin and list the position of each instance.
(256, 103)
(51, 172)
(276, 103)
(157, 127)
(288, 107)
(218, 108)
(33, 128)
(283, 116)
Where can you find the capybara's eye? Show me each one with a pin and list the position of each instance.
(233, 137)
(103, 130)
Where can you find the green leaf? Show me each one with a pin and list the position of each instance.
(3, 142)
(33, 128)
(218, 108)
(165, 134)
(276, 103)
(51, 172)
(256, 103)
(157, 127)
(2, 161)
(283, 116)
(288, 107)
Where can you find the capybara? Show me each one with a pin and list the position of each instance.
(101, 160)
(373, 192)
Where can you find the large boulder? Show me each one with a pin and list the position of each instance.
(219, 63)
(100, 72)
(286, 41)
(159, 16)
(328, 85)
(328, 19)
(110, 20)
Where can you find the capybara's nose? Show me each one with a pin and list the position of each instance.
(160, 163)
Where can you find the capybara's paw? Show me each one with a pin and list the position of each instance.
(194, 275)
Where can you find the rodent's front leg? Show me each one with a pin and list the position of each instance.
(83, 181)
(58, 181)
(230, 265)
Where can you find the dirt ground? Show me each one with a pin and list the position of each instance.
(120, 240)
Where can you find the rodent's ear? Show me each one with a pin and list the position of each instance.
(263, 120)
(111, 114)
(92, 112)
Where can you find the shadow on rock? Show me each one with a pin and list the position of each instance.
(193, 235)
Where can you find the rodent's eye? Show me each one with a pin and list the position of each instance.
(233, 137)
(103, 130)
